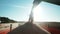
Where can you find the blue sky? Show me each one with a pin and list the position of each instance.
(20, 9)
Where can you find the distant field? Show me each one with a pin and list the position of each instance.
(14, 25)
(52, 26)
(7, 25)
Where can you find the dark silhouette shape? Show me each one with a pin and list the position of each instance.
(36, 2)
(31, 17)
(6, 20)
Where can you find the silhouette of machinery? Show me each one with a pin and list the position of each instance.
(29, 28)
(31, 17)
(36, 3)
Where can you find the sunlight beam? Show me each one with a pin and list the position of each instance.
(38, 13)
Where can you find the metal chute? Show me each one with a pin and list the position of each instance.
(36, 2)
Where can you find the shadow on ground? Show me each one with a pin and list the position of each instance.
(28, 28)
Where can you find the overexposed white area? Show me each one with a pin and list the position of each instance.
(46, 12)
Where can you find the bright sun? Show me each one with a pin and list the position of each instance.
(38, 13)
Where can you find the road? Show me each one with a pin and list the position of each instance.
(28, 28)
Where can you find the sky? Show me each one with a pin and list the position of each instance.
(19, 10)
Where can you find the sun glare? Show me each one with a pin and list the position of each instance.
(38, 13)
